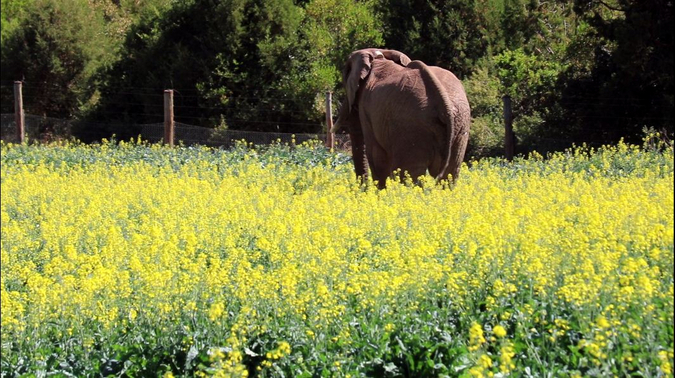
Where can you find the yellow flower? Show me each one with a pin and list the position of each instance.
(506, 354)
(184, 233)
(602, 322)
(284, 348)
(476, 338)
(499, 331)
(216, 311)
(485, 361)
(665, 358)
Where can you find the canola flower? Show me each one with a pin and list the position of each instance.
(201, 262)
(476, 338)
(499, 331)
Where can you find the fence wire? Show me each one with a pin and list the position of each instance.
(35, 128)
(46, 129)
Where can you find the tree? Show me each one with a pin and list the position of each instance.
(11, 12)
(56, 49)
(620, 77)
(330, 31)
(241, 64)
(526, 63)
(205, 50)
(453, 35)
(59, 47)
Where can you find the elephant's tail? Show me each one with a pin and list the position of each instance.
(445, 110)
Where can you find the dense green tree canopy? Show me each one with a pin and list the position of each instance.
(57, 49)
(620, 79)
(577, 70)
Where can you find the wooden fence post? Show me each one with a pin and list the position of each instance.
(330, 136)
(168, 117)
(18, 112)
(509, 137)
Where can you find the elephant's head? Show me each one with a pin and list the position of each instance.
(355, 72)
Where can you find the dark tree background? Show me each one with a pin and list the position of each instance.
(621, 80)
(577, 70)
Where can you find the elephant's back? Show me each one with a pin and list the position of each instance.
(399, 88)
(453, 87)
(400, 115)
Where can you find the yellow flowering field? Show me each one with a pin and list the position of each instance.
(140, 260)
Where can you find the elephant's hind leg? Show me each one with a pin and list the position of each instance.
(380, 164)
(412, 163)
(436, 167)
(456, 157)
(414, 172)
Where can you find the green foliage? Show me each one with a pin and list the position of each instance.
(252, 65)
(537, 27)
(577, 70)
(620, 77)
(56, 50)
(484, 91)
(453, 35)
(527, 68)
(330, 31)
(118, 153)
(530, 81)
(11, 12)
(59, 48)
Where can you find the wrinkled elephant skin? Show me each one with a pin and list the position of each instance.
(403, 114)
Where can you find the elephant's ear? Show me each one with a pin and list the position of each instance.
(396, 56)
(357, 69)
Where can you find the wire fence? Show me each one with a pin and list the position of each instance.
(150, 112)
(39, 128)
(36, 128)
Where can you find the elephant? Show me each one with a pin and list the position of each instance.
(403, 115)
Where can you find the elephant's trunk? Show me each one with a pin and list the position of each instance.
(348, 119)
(358, 151)
(343, 119)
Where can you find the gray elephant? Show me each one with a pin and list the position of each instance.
(403, 115)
